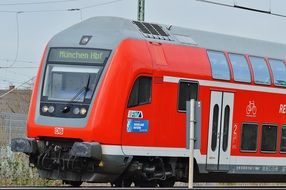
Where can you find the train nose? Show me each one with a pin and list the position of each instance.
(79, 149)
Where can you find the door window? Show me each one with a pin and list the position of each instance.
(225, 128)
(215, 127)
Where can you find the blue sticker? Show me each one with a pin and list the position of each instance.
(137, 126)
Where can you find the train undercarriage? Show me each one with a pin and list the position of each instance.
(77, 162)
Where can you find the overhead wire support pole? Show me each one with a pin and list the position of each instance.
(141, 10)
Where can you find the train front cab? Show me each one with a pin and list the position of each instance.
(74, 145)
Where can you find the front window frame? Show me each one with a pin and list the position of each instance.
(102, 65)
(49, 78)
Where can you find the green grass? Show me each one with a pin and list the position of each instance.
(15, 171)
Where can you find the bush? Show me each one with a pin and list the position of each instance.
(15, 170)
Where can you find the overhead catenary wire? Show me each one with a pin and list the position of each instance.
(54, 10)
(35, 11)
(244, 8)
(63, 10)
(15, 60)
(37, 3)
(72, 9)
(100, 4)
(12, 82)
(16, 72)
(5, 81)
(20, 85)
(20, 61)
(19, 67)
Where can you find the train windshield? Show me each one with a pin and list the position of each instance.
(70, 83)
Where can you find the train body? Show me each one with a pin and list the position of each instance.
(109, 105)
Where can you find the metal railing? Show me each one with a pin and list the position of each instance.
(12, 125)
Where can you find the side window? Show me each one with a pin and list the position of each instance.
(283, 139)
(269, 138)
(240, 68)
(141, 92)
(187, 91)
(279, 72)
(260, 69)
(220, 68)
(249, 137)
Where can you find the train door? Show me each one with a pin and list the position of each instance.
(220, 128)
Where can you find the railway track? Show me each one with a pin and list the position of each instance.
(108, 187)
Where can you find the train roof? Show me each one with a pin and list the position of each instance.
(109, 31)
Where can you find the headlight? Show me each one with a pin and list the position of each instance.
(82, 111)
(51, 109)
(45, 109)
(75, 111)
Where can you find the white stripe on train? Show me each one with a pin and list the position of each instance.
(182, 152)
(229, 85)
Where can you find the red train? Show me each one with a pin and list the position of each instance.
(109, 105)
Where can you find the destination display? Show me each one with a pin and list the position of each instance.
(94, 56)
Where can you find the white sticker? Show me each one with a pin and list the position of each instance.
(135, 114)
(251, 109)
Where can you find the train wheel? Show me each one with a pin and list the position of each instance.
(122, 183)
(146, 184)
(167, 183)
(73, 183)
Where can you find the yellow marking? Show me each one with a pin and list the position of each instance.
(101, 164)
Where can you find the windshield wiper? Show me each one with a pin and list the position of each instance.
(84, 89)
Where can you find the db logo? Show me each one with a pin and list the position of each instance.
(59, 131)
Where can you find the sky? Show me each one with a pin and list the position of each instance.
(39, 20)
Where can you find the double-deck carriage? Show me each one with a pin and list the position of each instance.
(109, 105)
